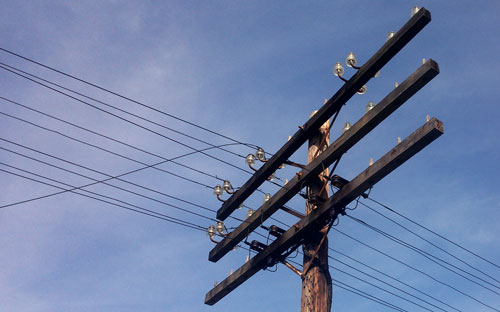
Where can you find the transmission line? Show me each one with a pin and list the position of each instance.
(135, 209)
(431, 243)
(101, 135)
(392, 278)
(126, 98)
(108, 184)
(111, 178)
(112, 106)
(99, 148)
(125, 119)
(382, 281)
(114, 186)
(384, 290)
(359, 292)
(433, 232)
(426, 255)
(417, 270)
(17, 71)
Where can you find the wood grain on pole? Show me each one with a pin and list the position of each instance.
(316, 295)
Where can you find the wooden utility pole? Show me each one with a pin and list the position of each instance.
(332, 207)
(316, 279)
(321, 209)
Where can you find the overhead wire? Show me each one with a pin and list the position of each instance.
(18, 71)
(415, 269)
(103, 149)
(427, 255)
(111, 185)
(429, 242)
(13, 69)
(125, 97)
(124, 119)
(383, 282)
(359, 292)
(387, 291)
(261, 235)
(113, 177)
(112, 106)
(134, 208)
(106, 137)
(137, 209)
(433, 232)
(78, 79)
(391, 277)
(174, 220)
(95, 193)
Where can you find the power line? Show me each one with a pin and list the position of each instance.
(433, 232)
(99, 148)
(109, 105)
(136, 209)
(429, 242)
(261, 235)
(103, 149)
(380, 280)
(111, 185)
(359, 292)
(203, 229)
(140, 209)
(126, 98)
(388, 284)
(415, 269)
(101, 195)
(337, 269)
(119, 109)
(117, 187)
(108, 151)
(125, 119)
(384, 290)
(363, 294)
(393, 278)
(426, 255)
(99, 134)
(111, 178)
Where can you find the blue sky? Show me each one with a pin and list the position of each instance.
(253, 71)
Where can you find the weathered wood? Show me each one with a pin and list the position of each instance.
(369, 121)
(316, 295)
(422, 137)
(367, 71)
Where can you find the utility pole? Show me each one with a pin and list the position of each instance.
(321, 209)
(316, 280)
